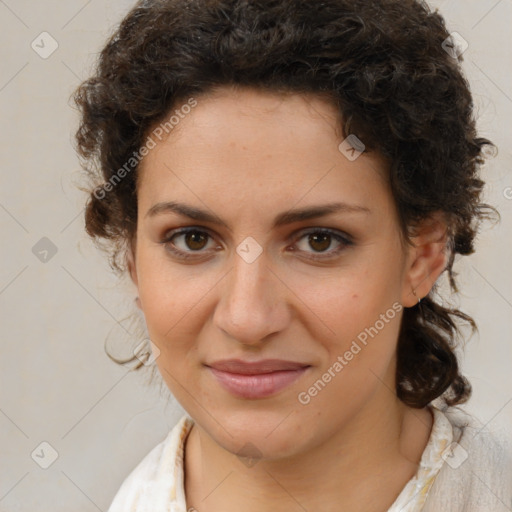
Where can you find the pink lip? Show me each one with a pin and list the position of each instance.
(256, 380)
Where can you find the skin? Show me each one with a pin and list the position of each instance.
(246, 156)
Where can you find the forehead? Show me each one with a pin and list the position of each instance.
(247, 146)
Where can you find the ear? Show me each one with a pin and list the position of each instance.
(426, 258)
(132, 269)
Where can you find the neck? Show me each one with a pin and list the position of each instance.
(364, 466)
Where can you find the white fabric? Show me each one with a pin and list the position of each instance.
(464, 468)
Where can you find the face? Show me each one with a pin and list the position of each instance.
(248, 263)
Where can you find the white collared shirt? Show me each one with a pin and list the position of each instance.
(462, 469)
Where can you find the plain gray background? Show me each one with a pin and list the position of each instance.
(57, 384)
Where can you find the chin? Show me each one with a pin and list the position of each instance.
(258, 433)
(255, 446)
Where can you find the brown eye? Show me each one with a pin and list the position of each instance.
(196, 240)
(320, 241)
(185, 242)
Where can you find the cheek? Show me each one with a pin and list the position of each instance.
(360, 346)
(358, 322)
(355, 301)
(171, 302)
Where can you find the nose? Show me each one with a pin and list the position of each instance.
(253, 302)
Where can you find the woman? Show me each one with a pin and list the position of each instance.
(286, 182)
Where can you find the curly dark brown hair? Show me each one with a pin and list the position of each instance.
(388, 66)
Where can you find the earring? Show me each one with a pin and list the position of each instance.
(414, 293)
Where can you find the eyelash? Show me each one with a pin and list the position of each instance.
(343, 239)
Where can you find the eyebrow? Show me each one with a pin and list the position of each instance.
(287, 217)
